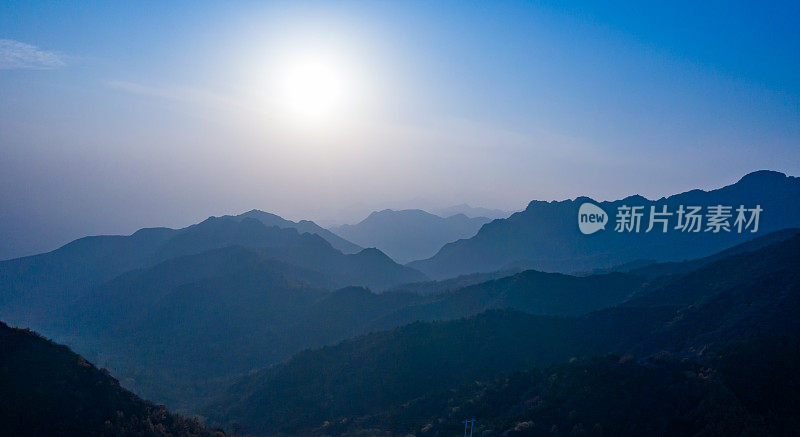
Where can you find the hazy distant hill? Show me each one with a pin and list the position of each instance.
(203, 318)
(430, 287)
(682, 267)
(302, 226)
(34, 290)
(545, 235)
(47, 390)
(173, 331)
(470, 211)
(409, 234)
(737, 313)
(206, 317)
(35, 287)
(530, 291)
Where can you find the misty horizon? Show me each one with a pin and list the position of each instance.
(323, 112)
(351, 215)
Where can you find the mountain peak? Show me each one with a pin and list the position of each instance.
(583, 199)
(636, 198)
(392, 213)
(302, 226)
(373, 252)
(762, 177)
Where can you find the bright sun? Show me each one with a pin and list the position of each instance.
(314, 88)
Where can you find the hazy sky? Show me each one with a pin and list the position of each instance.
(116, 116)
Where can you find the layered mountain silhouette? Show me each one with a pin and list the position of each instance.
(201, 319)
(545, 235)
(261, 327)
(409, 234)
(530, 291)
(470, 211)
(48, 390)
(34, 290)
(204, 318)
(430, 287)
(303, 227)
(733, 315)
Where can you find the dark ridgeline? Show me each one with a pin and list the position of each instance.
(716, 352)
(47, 390)
(410, 234)
(545, 235)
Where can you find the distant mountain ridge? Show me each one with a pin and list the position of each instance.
(552, 294)
(470, 211)
(545, 235)
(33, 290)
(410, 234)
(302, 226)
(177, 314)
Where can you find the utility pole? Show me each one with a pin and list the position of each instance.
(471, 423)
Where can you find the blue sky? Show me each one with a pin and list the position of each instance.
(118, 115)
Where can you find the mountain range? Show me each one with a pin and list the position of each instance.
(545, 236)
(203, 319)
(471, 211)
(409, 234)
(259, 327)
(303, 227)
(39, 289)
(695, 351)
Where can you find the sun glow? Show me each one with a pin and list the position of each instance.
(314, 88)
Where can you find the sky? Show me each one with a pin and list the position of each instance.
(121, 115)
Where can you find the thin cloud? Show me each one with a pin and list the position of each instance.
(145, 90)
(15, 55)
(183, 94)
